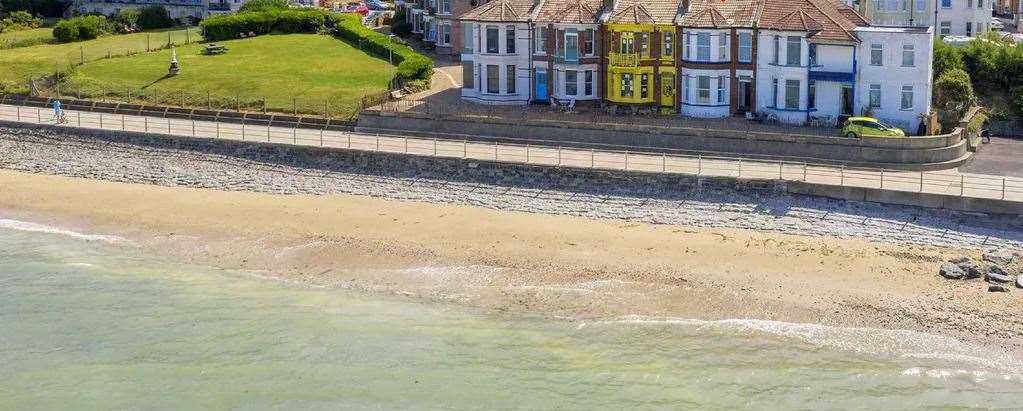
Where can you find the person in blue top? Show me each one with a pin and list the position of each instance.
(58, 112)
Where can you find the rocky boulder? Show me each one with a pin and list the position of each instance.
(1019, 281)
(995, 288)
(999, 257)
(951, 271)
(998, 277)
(970, 267)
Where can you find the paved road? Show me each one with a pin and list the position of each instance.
(940, 182)
(1002, 156)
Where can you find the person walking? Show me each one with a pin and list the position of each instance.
(58, 112)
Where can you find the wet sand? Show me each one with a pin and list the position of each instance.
(523, 262)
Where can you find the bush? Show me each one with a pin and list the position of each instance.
(946, 58)
(81, 28)
(399, 27)
(263, 5)
(300, 21)
(411, 65)
(127, 20)
(217, 28)
(954, 88)
(154, 17)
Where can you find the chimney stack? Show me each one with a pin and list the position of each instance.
(609, 5)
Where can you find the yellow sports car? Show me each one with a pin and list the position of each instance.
(856, 127)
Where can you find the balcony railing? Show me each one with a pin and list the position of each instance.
(623, 59)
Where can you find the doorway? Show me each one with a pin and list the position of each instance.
(745, 94)
(847, 100)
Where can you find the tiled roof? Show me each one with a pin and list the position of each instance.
(821, 18)
(501, 11)
(569, 11)
(644, 12)
(721, 13)
(852, 15)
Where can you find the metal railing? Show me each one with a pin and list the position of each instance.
(946, 183)
(623, 59)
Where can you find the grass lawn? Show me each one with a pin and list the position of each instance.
(311, 68)
(22, 38)
(17, 64)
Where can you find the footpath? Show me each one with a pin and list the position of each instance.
(948, 189)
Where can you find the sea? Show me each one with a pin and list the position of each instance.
(89, 322)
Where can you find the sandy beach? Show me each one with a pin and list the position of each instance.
(522, 262)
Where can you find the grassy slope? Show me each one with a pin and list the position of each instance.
(11, 39)
(308, 67)
(16, 65)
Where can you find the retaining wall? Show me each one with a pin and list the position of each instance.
(915, 153)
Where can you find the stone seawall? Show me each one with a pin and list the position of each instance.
(654, 198)
(916, 153)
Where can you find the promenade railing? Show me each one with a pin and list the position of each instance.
(542, 153)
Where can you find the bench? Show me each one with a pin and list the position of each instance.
(214, 49)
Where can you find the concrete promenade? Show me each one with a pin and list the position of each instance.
(929, 189)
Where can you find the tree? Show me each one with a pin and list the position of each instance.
(154, 17)
(954, 88)
(263, 5)
(946, 58)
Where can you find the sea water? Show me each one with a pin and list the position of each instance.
(88, 323)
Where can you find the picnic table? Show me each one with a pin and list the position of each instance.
(213, 49)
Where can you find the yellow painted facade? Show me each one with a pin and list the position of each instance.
(635, 69)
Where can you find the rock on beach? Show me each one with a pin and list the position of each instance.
(951, 271)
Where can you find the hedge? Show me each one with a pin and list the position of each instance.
(411, 65)
(230, 26)
(81, 28)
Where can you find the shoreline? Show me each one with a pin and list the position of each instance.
(553, 265)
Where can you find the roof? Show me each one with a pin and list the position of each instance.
(501, 11)
(721, 13)
(643, 12)
(827, 21)
(569, 11)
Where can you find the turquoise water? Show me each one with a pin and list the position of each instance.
(90, 325)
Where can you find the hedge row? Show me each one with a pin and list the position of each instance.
(411, 65)
(232, 26)
(81, 28)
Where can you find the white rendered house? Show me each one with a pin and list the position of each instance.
(953, 17)
(495, 69)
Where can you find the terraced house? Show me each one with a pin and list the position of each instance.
(436, 21)
(641, 39)
(718, 68)
(496, 60)
(566, 62)
(797, 61)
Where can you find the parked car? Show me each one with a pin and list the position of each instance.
(996, 24)
(357, 8)
(858, 127)
(377, 5)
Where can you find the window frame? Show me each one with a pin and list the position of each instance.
(811, 95)
(907, 88)
(628, 86)
(668, 44)
(571, 40)
(722, 47)
(789, 51)
(702, 93)
(588, 42)
(790, 85)
(496, 38)
(879, 48)
(574, 83)
(509, 39)
(746, 51)
(496, 71)
(540, 42)
(511, 79)
(871, 89)
(911, 49)
(703, 50)
(588, 83)
(721, 91)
